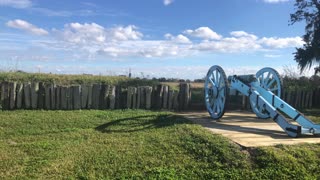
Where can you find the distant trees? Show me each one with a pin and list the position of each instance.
(309, 54)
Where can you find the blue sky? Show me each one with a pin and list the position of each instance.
(154, 38)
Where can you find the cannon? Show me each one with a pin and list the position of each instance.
(264, 92)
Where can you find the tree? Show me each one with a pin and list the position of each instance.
(309, 54)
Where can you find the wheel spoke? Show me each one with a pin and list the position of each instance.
(273, 89)
(221, 103)
(270, 83)
(212, 101)
(221, 94)
(216, 77)
(266, 80)
(211, 82)
(220, 79)
(260, 110)
(214, 107)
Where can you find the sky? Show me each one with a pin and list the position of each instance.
(152, 38)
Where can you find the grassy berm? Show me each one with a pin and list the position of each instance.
(136, 144)
(69, 79)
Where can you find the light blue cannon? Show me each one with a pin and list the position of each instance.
(264, 91)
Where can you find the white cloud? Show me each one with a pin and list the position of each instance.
(145, 48)
(274, 42)
(242, 34)
(178, 39)
(126, 33)
(275, 1)
(91, 33)
(127, 41)
(229, 45)
(272, 55)
(82, 33)
(16, 3)
(26, 26)
(167, 2)
(203, 32)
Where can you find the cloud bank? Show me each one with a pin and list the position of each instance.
(129, 41)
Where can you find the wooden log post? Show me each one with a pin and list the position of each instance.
(19, 95)
(76, 100)
(118, 103)
(12, 95)
(143, 97)
(58, 97)
(27, 95)
(187, 96)
(170, 99)
(243, 102)
(303, 99)
(47, 90)
(49, 96)
(64, 98)
(285, 96)
(89, 105)
(176, 101)
(112, 97)
(5, 95)
(184, 96)
(165, 97)
(129, 98)
(139, 94)
(289, 98)
(1, 95)
(308, 98)
(318, 99)
(123, 98)
(41, 95)
(84, 93)
(148, 97)
(297, 95)
(248, 105)
(134, 97)
(314, 100)
(310, 105)
(96, 89)
(69, 98)
(53, 96)
(104, 97)
(34, 95)
(159, 96)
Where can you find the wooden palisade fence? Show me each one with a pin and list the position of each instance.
(38, 95)
(299, 99)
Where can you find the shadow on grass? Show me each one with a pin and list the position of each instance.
(141, 123)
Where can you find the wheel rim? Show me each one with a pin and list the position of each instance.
(216, 87)
(270, 80)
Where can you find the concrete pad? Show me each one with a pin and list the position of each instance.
(245, 129)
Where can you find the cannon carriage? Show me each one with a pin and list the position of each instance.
(264, 91)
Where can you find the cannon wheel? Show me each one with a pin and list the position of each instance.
(216, 91)
(270, 80)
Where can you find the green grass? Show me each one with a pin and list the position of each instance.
(136, 144)
(313, 114)
(73, 79)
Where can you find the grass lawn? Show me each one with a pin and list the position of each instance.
(123, 144)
